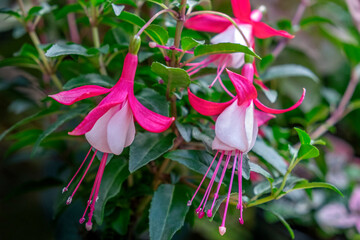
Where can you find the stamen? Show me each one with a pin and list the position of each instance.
(220, 70)
(209, 212)
(99, 176)
(172, 48)
(65, 189)
(208, 189)
(240, 206)
(222, 228)
(82, 219)
(83, 176)
(199, 65)
(190, 201)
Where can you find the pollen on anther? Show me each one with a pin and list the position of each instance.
(82, 220)
(188, 203)
(65, 189)
(88, 226)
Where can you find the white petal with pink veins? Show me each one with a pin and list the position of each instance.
(97, 136)
(232, 35)
(236, 126)
(121, 129)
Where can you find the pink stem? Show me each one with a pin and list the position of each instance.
(239, 206)
(190, 201)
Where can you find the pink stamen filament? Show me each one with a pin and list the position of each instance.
(219, 184)
(239, 206)
(82, 178)
(228, 197)
(220, 69)
(190, 201)
(208, 189)
(225, 89)
(92, 206)
(173, 48)
(67, 187)
(82, 219)
(263, 108)
(199, 65)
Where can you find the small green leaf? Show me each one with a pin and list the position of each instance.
(9, 12)
(176, 77)
(167, 211)
(117, 9)
(114, 175)
(89, 79)
(147, 147)
(20, 62)
(318, 113)
(270, 155)
(246, 167)
(307, 185)
(188, 43)
(60, 49)
(307, 151)
(305, 22)
(282, 220)
(303, 136)
(221, 48)
(288, 70)
(60, 121)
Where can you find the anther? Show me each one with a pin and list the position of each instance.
(189, 203)
(65, 189)
(152, 44)
(222, 230)
(201, 214)
(88, 226)
(82, 220)
(68, 201)
(209, 213)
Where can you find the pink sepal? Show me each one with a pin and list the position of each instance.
(205, 107)
(244, 88)
(71, 96)
(149, 120)
(262, 107)
(262, 117)
(241, 9)
(208, 23)
(262, 30)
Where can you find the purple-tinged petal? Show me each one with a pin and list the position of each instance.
(205, 107)
(244, 88)
(354, 202)
(149, 120)
(89, 121)
(207, 23)
(241, 9)
(335, 215)
(71, 96)
(263, 117)
(262, 30)
(263, 108)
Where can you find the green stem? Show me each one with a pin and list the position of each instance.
(224, 16)
(261, 201)
(96, 38)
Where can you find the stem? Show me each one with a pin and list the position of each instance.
(261, 201)
(338, 114)
(295, 21)
(225, 16)
(153, 18)
(74, 32)
(96, 38)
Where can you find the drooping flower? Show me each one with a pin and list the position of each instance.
(236, 129)
(250, 24)
(109, 127)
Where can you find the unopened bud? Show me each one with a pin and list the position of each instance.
(135, 45)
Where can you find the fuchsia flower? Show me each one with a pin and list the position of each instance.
(110, 127)
(250, 24)
(236, 129)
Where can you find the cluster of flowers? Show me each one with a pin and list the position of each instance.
(109, 127)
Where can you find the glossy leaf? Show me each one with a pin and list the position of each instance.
(147, 147)
(185, 130)
(114, 175)
(308, 185)
(188, 43)
(307, 151)
(89, 79)
(221, 48)
(303, 136)
(154, 101)
(176, 77)
(288, 70)
(60, 49)
(167, 211)
(258, 169)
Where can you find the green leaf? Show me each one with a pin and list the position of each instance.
(188, 43)
(89, 79)
(28, 119)
(117, 8)
(221, 48)
(20, 62)
(114, 175)
(246, 167)
(176, 77)
(154, 101)
(69, 8)
(60, 121)
(60, 49)
(147, 147)
(282, 220)
(303, 136)
(167, 211)
(258, 169)
(269, 155)
(307, 151)
(9, 12)
(352, 52)
(305, 22)
(288, 70)
(318, 113)
(121, 223)
(307, 185)
(185, 130)
(155, 32)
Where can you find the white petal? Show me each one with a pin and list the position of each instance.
(232, 35)
(121, 129)
(97, 136)
(219, 145)
(236, 126)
